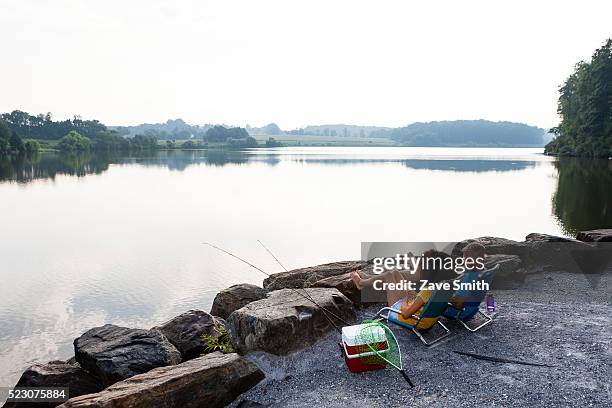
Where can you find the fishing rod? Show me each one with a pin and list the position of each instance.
(267, 274)
(310, 297)
(395, 362)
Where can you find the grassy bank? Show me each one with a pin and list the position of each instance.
(311, 140)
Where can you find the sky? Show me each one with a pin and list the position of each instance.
(295, 63)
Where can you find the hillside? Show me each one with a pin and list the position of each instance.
(466, 133)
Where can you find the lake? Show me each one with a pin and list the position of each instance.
(94, 240)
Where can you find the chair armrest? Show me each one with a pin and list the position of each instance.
(453, 306)
(390, 309)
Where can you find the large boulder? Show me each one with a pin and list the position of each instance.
(286, 321)
(235, 297)
(510, 273)
(539, 237)
(57, 374)
(211, 381)
(598, 235)
(297, 278)
(185, 332)
(552, 253)
(114, 353)
(495, 246)
(344, 283)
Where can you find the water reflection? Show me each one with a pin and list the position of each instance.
(470, 165)
(24, 169)
(583, 199)
(49, 165)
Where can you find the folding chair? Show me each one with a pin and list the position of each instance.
(471, 302)
(433, 309)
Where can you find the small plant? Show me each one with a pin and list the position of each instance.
(220, 342)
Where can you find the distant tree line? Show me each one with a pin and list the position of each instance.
(43, 126)
(105, 142)
(585, 106)
(173, 129)
(74, 135)
(466, 133)
(223, 134)
(11, 144)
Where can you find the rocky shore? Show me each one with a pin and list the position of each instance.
(287, 352)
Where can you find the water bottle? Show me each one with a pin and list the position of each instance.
(490, 304)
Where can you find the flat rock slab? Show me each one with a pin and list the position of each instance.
(114, 353)
(286, 321)
(235, 297)
(495, 246)
(297, 278)
(185, 332)
(598, 235)
(344, 283)
(57, 374)
(211, 381)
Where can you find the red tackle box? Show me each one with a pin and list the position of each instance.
(359, 357)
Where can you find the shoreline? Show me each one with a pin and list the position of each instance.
(546, 313)
(548, 322)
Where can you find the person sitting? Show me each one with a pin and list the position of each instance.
(412, 301)
(473, 250)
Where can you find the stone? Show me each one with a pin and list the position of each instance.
(297, 278)
(344, 283)
(114, 353)
(212, 381)
(235, 297)
(185, 332)
(539, 237)
(495, 246)
(598, 235)
(286, 321)
(57, 374)
(551, 253)
(510, 273)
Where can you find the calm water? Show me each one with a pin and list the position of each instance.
(90, 241)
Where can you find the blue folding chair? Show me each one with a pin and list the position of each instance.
(471, 301)
(433, 309)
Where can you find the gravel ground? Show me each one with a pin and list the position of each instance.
(555, 319)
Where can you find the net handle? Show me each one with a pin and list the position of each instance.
(399, 351)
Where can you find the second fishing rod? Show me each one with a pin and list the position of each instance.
(327, 313)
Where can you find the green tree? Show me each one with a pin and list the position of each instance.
(585, 106)
(16, 143)
(5, 135)
(272, 142)
(74, 142)
(223, 134)
(143, 143)
(191, 144)
(32, 146)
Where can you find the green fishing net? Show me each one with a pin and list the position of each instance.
(387, 350)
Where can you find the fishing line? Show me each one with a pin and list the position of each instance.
(292, 289)
(309, 297)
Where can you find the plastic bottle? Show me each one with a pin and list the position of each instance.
(490, 304)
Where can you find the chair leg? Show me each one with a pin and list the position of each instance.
(488, 319)
(437, 339)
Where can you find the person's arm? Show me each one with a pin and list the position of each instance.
(408, 310)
